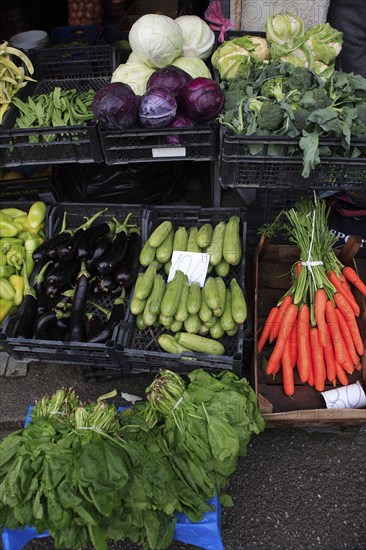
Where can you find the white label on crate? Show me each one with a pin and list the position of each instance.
(193, 264)
(168, 152)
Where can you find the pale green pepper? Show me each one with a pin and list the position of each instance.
(7, 292)
(7, 227)
(13, 212)
(36, 214)
(17, 282)
(5, 307)
(6, 270)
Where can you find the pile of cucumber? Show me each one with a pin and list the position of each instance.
(199, 317)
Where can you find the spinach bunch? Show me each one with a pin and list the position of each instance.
(206, 424)
(279, 99)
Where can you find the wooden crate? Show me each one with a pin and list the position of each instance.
(306, 407)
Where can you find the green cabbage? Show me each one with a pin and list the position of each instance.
(284, 28)
(198, 38)
(236, 57)
(136, 74)
(325, 42)
(301, 57)
(193, 66)
(156, 39)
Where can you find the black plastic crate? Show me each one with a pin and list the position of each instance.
(90, 357)
(279, 163)
(148, 145)
(138, 351)
(74, 62)
(30, 146)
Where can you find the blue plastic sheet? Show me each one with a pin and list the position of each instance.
(205, 534)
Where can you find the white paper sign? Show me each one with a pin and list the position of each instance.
(345, 397)
(193, 264)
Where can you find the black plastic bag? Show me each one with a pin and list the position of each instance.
(134, 183)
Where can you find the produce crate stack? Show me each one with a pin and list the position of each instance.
(139, 348)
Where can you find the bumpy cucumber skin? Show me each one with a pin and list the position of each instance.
(204, 235)
(216, 246)
(231, 251)
(239, 309)
(194, 298)
(201, 344)
(173, 290)
(165, 249)
(160, 233)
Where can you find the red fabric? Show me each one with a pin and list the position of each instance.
(215, 19)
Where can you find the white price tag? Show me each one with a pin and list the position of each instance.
(158, 152)
(193, 264)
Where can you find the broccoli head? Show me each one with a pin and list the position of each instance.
(270, 116)
(358, 127)
(235, 90)
(315, 99)
(273, 88)
(301, 119)
(301, 79)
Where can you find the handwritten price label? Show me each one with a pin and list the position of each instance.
(193, 264)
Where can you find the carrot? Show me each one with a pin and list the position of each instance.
(345, 308)
(317, 354)
(358, 367)
(304, 360)
(341, 374)
(286, 302)
(330, 358)
(283, 335)
(273, 324)
(293, 344)
(353, 277)
(298, 268)
(319, 309)
(347, 336)
(267, 328)
(340, 349)
(336, 282)
(287, 370)
(311, 379)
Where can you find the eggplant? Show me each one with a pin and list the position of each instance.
(63, 273)
(51, 326)
(48, 249)
(25, 326)
(116, 316)
(40, 290)
(77, 330)
(87, 241)
(94, 325)
(126, 271)
(109, 261)
(94, 289)
(101, 247)
(106, 282)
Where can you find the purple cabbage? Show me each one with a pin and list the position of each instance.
(157, 108)
(180, 121)
(116, 106)
(202, 99)
(172, 78)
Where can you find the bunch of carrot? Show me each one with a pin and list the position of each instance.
(314, 326)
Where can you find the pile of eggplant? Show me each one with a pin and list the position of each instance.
(81, 271)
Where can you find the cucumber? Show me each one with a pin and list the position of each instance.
(192, 245)
(192, 324)
(157, 294)
(181, 314)
(194, 298)
(217, 242)
(160, 233)
(205, 313)
(173, 291)
(180, 239)
(222, 269)
(204, 235)
(139, 320)
(165, 249)
(226, 319)
(204, 330)
(221, 292)
(170, 345)
(176, 326)
(210, 293)
(167, 267)
(232, 243)
(210, 322)
(145, 283)
(137, 306)
(232, 332)
(147, 254)
(239, 309)
(148, 317)
(165, 321)
(216, 332)
(198, 343)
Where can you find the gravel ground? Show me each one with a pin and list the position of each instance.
(295, 489)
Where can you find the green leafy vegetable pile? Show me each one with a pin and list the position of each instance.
(89, 475)
(280, 99)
